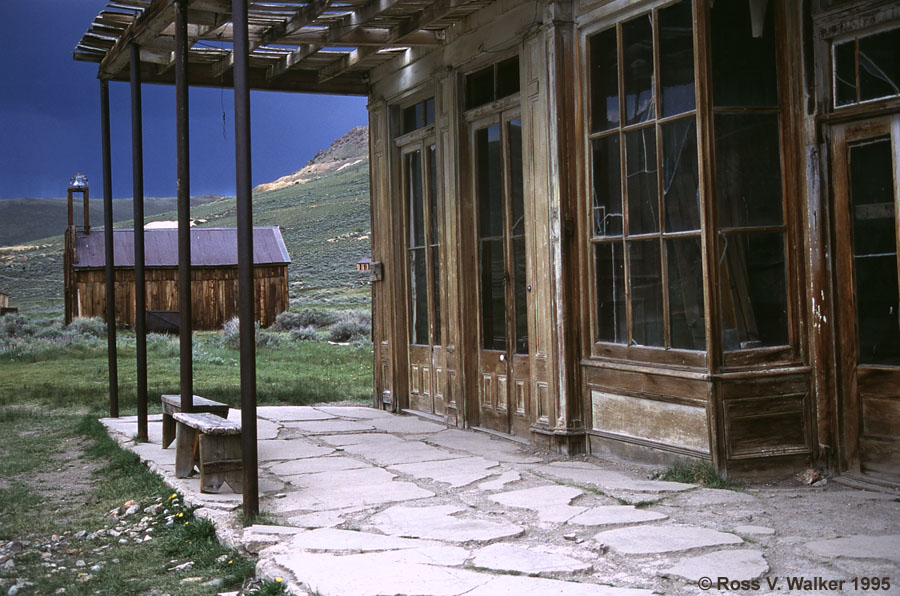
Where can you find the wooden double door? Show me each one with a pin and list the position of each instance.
(503, 375)
(866, 159)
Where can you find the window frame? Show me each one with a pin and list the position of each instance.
(714, 357)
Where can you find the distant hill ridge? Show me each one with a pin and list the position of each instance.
(348, 150)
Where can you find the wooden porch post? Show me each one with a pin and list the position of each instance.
(137, 165)
(245, 256)
(109, 263)
(182, 114)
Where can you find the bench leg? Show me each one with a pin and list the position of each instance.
(185, 450)
(220, 463)
(168, 430)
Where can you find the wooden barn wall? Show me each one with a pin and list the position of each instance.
(214, 294)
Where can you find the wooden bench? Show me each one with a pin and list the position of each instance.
(172, 404)
(211, 443)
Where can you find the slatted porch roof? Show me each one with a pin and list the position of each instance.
(325, 46)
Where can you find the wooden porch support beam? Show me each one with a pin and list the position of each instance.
(183, 157)
(245, 257)
(140, 307)
(109, 264)
(306, 15)
(412, 27)
(146, 28)
(349, 25)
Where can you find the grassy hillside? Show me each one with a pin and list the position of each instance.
(325, 223)
(28, 220)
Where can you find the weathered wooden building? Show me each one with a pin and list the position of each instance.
(214, 286)
(661, 229)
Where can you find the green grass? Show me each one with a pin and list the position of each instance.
(702, 473)
(45, 518)
(291, 373)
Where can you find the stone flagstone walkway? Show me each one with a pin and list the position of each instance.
(371, 504)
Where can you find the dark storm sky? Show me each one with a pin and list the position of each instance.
(50, 116)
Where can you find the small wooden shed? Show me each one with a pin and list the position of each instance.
(213, 276)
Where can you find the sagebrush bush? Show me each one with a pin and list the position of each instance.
(286, 321)
(307, 333)
(231, 335)
(352, 325)
(16, 325)
(92, 326)
(316, 317)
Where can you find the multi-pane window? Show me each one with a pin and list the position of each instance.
(423, 215)
(645, 199)
(750, 251)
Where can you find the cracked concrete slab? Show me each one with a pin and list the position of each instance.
(327, 427)
(330, 539)
(859, 547)
(386, 454)
(509, 557)
(289, 449)
(291, 413)
(455, 472)
(315, 465)
(501, 481)
(587, 473)
(645, 540)
(356, 412)
(535, 586)
(740, 565)
(753, 530)
(440, 523)
(610, 515)
(347, 488)
(481, 444)
(551, 502)
(407, 424)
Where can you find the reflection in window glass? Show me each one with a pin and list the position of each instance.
(516, 182)
(436, 290)
(743, 65)
(521, 294)
(676, 56)
(493, 300)
(637, 66)
(433, 241)
(845, 73)
(607, 203)
(610, 266)
(490, 181)
(879, 65)
(753, 286)
(604, 81)
(640, 168)
(875, 252)
(748, 170)
(416, 206)
(681, 182)
(646, 293)
(507, 77)
(480, 87)
(418, 290)
(686, 315)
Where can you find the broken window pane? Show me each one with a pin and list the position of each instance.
(607, 203)
(646, 293)
(637, 65)
(642, 195)
(754, 292)
(676, 57)
(610, 265)
(879, 65)
(681, 182)
(687, 326)
(743, 64)
(748, 170)
(845, 73)
(875, 252)
(604, 81)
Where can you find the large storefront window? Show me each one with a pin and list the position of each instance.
(645, 202)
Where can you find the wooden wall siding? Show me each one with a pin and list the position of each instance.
(214, 294)
(382, 252)
(669, 425)
(765, 417)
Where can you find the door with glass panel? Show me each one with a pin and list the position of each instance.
(423, 277)
(867, 214)
(503, 378)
